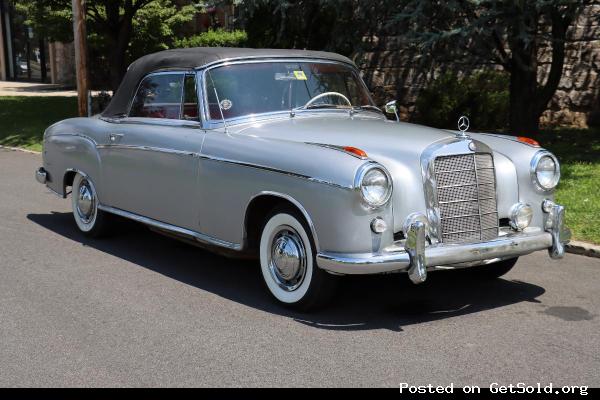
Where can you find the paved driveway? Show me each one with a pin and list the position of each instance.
(140, 309)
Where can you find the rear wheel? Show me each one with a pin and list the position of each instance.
(84, 200)
(495, 270)
(288, 263)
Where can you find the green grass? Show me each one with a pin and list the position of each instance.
(24, 119)
(578, 151)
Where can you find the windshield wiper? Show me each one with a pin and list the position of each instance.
(367, 107)
(324, 105)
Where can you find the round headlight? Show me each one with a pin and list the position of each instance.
(546, 170)
(375, 186)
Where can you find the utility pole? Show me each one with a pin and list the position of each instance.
(79, 33)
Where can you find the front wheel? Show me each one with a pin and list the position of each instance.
(84, 200)
(288, 264)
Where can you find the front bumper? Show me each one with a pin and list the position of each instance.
(416, 258)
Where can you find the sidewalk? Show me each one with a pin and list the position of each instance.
(34, 89)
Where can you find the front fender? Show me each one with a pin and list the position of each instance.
(520, 156)
(320, 179)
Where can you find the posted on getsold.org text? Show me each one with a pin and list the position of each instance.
(496, 388)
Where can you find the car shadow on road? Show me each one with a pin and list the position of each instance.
(361, 303)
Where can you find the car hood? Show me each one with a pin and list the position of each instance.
(384, 141)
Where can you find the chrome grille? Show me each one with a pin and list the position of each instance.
(466, 196)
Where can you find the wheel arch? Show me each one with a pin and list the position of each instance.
(258, 208)
(68, 178)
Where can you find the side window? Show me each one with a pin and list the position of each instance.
(190, 99)
(159, 96)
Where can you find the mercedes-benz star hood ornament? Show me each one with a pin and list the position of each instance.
(463, 126)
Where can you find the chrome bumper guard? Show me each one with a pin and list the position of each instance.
(416, 258)
(41, 175)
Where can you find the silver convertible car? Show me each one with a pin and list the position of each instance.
(282, 155)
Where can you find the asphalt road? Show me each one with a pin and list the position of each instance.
(140, 309)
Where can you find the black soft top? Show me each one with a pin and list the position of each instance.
(196, 57)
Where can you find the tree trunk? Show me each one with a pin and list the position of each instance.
(116, 67)
(524, 110)
(117, 61)
(524, 107)
(528, 98)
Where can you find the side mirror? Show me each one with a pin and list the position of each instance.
(392, 108)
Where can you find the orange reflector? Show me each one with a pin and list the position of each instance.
(357, 152)
(529, 141)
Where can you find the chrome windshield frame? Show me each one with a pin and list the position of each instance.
(209, 124)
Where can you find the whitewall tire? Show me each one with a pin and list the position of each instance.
(288, 264)
(84, 200)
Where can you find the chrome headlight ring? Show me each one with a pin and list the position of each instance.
(535, 162)
(372, 171)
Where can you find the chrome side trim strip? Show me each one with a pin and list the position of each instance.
(177, 123)
(78, 135)
(338, 148)
(172, 228)
(276, 170)
(148, 148)
(223, 160)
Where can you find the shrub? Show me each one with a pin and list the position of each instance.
(482, 96)
(215, 38)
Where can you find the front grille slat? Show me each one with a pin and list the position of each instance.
(466, 196)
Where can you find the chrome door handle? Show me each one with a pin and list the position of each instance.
(115, 137)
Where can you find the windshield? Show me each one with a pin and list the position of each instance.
(254, 88)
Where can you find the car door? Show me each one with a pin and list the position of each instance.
(150, 164)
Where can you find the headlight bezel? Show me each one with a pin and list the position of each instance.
(515, 212)
(358, 184)
(535, 161)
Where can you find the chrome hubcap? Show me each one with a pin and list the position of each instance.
(85, 201)
(287, 259)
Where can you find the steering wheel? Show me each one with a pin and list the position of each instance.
(319, 96)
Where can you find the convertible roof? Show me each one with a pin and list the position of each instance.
(196, 57)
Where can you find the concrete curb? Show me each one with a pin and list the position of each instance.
(20, 149)
(583, 248)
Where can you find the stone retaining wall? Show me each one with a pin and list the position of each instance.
(391, 72)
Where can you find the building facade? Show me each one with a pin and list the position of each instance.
(24, 53)
(26, 56)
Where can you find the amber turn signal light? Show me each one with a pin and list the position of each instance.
(528, 141)
(357, 152)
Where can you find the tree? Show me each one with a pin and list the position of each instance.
(514, 34)
(334, 25)
(113, 25)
